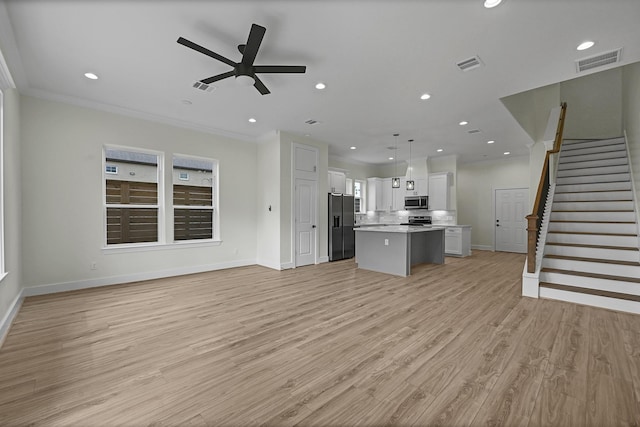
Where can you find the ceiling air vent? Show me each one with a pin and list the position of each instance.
(474, 131)
(311, 122)
(598, 60)
(203, 87)
(470, 64)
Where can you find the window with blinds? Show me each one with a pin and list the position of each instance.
(194, 210)
(132, 204)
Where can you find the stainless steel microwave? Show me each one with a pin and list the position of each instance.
(416, 202)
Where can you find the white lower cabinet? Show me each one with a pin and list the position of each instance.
(457, 241)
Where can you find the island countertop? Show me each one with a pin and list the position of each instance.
(400, 228)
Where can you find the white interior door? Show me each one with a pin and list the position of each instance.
(510, 222)
(305, 204)
(305, 222)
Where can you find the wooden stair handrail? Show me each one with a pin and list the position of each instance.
(534, 220)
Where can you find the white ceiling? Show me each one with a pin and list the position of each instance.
(376, 58)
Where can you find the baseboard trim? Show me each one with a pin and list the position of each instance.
(128, 278)
(323, 259)
(8, 319)
(482, 247)
(269, 264)
(286, 266)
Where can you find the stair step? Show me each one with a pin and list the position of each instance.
(583, 143)
(602, 282)
(585, 238)
(593, 179)
(589, 299)
(610, 253)
(593, 216)
(596, 246)
(589, 205)
(604, 186)
(589, 291)
(591, 275)
(618, 161)
(607, 148)
(597, 156)
(594, 196)
(594, 266)
(594, 170)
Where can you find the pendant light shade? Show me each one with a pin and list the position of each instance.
(395, 182)
(410, 184)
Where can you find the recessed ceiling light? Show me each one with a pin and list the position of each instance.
(390, 158)
(491, 3)
(352, 148)
(439, 150)
(252, 120)
(91, 76)
(585, 45)
(320, 86)
(490, 142)
(425, 96)
(464, 122)
(506, 153)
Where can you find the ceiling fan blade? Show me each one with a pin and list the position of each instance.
(253, 44)
(205, 51)
(260, 86)
(280, 69)
(210, 80)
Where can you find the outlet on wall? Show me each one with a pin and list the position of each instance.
(93, 265)
(386, 242)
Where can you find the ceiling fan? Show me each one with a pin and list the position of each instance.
(244, 71)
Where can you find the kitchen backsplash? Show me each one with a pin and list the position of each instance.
(437, 217)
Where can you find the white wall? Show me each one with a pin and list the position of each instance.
(268, 186)
(476, 184)
(594, 105)
(62, 218)
(631, 118)
(11, 284)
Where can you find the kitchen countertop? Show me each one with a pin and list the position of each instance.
(400, 229)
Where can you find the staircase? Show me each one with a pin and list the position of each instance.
(591, 250)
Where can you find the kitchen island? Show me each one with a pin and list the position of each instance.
(394, 249)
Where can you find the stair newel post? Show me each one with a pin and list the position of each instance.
(532, 239)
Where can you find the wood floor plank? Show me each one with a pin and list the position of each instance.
(329, 344)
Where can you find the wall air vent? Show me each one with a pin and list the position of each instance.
(599, 60)
(203, 87)
(474, 131)
(311, 122)
(470, 63)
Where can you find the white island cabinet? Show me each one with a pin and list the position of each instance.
(457, 240)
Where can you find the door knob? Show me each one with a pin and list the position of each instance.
(313, 226)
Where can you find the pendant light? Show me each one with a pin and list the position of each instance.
(410, 184)
(395, 182)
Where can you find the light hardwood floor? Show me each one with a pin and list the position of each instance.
(325, 345)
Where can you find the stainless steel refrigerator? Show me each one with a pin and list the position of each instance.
(342, 243)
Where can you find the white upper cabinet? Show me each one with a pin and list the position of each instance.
(337, 182)
(374, 194)
(439, 191)
(419, 187)
(397, 195)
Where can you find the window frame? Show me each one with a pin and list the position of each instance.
(160, 205)
(363, 191)
(215, 189)
(108, 172)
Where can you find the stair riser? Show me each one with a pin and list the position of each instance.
(601, 195)
(573, 145)
(593, 216)
(593, 150)
(593, 239)
(594, 253)
(619, 286)
(593, 179)
(593, 267)
(592, 206)
(604, 186)
(592, 300)
(593, 164)
(593, 228)
(588, 157)
(601, 170)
